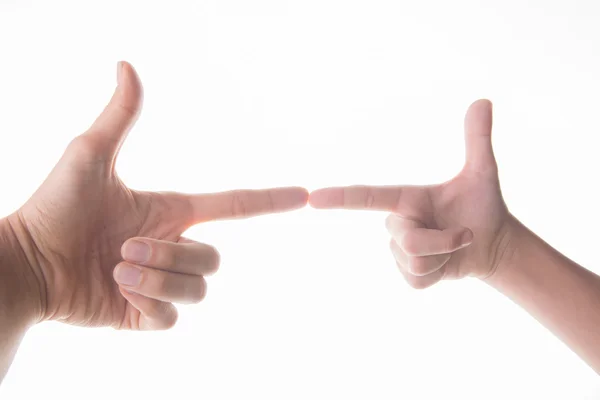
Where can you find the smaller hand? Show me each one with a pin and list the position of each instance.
(446, 231)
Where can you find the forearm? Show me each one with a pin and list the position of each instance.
(11, 333)
(559, 293)
(17, 308)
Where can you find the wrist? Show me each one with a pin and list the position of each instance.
(509, 242)
(21, 288)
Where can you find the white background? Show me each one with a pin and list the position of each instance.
(253, 94)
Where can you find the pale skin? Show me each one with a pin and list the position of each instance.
(463, 228)
(69, 254)
(64, 253)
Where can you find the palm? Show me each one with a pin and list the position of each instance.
(81, 216)
(475, 202)
(83, 229)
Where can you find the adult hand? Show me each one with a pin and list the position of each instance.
(446, 231)
(102, 254)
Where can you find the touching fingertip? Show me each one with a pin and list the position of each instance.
(322, 198)
(303, 196)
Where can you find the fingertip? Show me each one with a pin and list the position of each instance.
(287, 199)
(466, 238)
(137, 250)
(483, 102)
(478, 123)
(154, 314)
(131, 86)
(124, 247)
(481, 107)
(303, 196)
(311, 198)
(324, 198)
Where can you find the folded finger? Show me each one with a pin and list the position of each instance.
(416, 240)
(154, 314)
(186, 256)
(423, 282)
(160, 285)
(418, 266)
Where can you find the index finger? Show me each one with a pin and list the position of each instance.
(378, 198)
(246, 203)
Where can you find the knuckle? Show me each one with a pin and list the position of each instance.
(86, 149)
(170, 255)
(270, 201)
(238, 205)
(162, 283)
(130, 110)
(369, 198)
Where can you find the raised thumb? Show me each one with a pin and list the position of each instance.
(478, 138)
(105, 136)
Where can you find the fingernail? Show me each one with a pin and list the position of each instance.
(128, 275)
(466, 238)
(119, 71)
(135, 251)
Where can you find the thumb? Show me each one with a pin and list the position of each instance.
(106, 135)
(478, 138)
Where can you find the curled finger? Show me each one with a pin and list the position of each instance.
(153, 314)
(186, 256)
(160, 285)
(419, 265)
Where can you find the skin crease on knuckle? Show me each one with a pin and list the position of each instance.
(238, 206)
(188, 288)
(202, 259)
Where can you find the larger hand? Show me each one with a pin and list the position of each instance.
(83, 222)
(445, 231)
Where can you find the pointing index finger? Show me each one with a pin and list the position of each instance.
(247, 203)
(378, 198)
